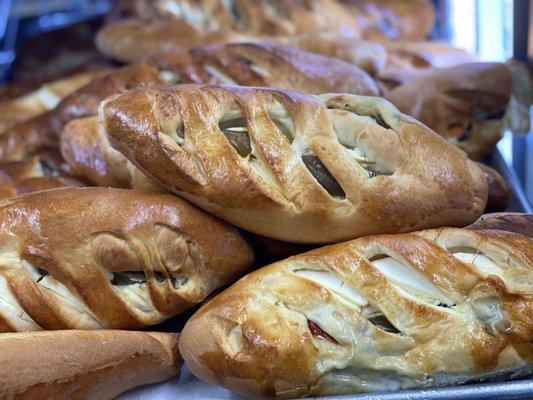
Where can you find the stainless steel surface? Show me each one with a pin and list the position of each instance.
(522, 389)
(513, 158)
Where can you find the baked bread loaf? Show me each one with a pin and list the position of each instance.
(88, 152)
(292, 166)
(45, 163)
(93, 258)
(499, 190)
(273, 65)
(382, 58)
(511, 222)
(247, 64)
(386, 312)
(464, 104)
(132, 39)
(40, 101)
(280, 17)
(37, 184)
(393, 19)
(28, 138)
(84, 364)
(43, 131)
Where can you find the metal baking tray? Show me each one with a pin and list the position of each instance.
(187, 386)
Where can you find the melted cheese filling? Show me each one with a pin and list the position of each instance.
(480, 261)
(65, 297)
(335, 285)
(409, 280)
(12, 311)
(222, 77)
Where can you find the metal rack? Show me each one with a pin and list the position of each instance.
(27, 18)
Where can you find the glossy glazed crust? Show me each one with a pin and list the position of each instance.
(459, 103)
(499, 190)
(89, 154)
(351, 317)
(38, 102)
(28, 138)
(84, 364)
(511, 222)
(93, 258)
(382, 160)
(275, 65)
(249, 64)
(37, 184)
(282, 17)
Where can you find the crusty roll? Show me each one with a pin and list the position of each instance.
(512, 222)
(89, 154)
(296, 167)
(93, 258)
(37, 184)
(84, 365)
(41, 100)
(464, 104)
(386, 312)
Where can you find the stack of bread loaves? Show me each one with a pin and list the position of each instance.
(237, 132)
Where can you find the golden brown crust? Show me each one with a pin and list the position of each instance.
(464, 104)
(381, 59)
(282, 17)
(406, 55)
(89, 154)
(275, 65)
(93, 258)
(132, 40)
(511, 222)
(393, 19)
(324, 168)
(41, 132)
(84, 364)
(28, 138)
(499, 190)
(249, 64)
(37, 184)
(385, 312)
(40, 101)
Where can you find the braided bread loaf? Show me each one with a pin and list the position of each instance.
(296, 167)
(386, 312)
(93, 258)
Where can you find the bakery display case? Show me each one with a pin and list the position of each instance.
(266, 199)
